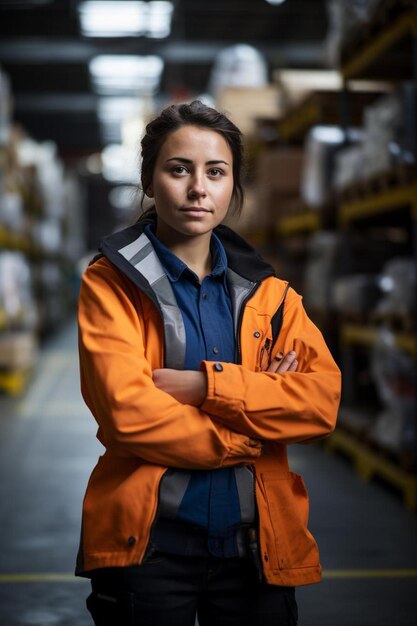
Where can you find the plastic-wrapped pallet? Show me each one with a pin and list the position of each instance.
(398, 281)
(321, 146)
(320, 270)
(18, 314)
(348, 167)
(383, 122)
(16, 297)
(344, 18)
(355, 295)
(395, 376)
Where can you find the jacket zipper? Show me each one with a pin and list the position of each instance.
(266, 347)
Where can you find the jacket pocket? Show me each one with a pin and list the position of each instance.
(288, 505)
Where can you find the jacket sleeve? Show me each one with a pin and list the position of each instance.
(287, 408)
(136, 418)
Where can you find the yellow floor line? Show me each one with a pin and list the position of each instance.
(39, 578)
(335, 573)
(370, 573)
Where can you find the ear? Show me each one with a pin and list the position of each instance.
(149, 192)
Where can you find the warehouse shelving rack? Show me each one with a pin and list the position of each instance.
(391, 195)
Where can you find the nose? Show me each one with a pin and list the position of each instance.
(197, 188)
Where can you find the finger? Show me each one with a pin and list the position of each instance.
(286, 362)
(293, 366)
(254, 443)
(274, 365)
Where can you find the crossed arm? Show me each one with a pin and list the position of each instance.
(190, 387)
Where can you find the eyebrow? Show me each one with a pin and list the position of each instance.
(183, 160)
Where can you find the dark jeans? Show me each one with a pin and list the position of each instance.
(170, 590)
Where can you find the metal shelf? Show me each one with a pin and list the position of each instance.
(378, 203)
(355, 334)
(298, 121)
(295, 224)
(14, 382)
(13, 241)
(404, 26)
(369, 463)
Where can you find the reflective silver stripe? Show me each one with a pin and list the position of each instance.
(174, 329)
(134, 247)
(142, 256)
(245, 482)
(171, 492)
(239, 288)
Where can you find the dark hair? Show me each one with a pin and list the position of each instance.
(194, 114)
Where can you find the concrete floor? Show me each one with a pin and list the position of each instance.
(368, 539)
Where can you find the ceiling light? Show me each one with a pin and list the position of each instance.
(125, 18)
(112, 113)
(275, 1)
(126, 74)
(117, 109)
(120, 164)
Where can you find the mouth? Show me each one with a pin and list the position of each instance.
(195, 210)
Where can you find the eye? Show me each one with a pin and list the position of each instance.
(215, 172)
(179, 170)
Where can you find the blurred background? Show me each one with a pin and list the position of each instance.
(326, 94)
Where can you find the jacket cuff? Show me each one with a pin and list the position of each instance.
(221, 389)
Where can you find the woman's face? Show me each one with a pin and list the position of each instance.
(192, 183)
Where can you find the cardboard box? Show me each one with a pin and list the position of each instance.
(245, 104)
(18, 350)
(280, 170)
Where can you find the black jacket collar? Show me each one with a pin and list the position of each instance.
(241, 257)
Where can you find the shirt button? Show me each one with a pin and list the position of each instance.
(215, 350)
(204, 296)
(131, 541)
(257, 334)
(218, 367)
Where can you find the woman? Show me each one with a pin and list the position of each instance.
(183, 331)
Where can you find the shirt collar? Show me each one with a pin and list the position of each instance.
(174, 267)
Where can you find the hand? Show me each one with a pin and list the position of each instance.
(186, 386)
(281, 363)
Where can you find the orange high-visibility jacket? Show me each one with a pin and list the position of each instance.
(129, 325)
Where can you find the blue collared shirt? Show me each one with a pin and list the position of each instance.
(211, 499)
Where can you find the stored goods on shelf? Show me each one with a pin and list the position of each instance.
(278, 177)
(246, 104)
(345, 16)
(351, 22)
(399, 283)
(18, 350)
(17, 303)
(321, 145)
(356, 295)
(12, 216)
(49, 173)
(408, 132)
(321, 269)
(5, 108)
(382, 125)
(240, 65)
(395, 376)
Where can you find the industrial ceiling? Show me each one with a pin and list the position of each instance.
(47, 57)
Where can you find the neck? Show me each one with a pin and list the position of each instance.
(193, 251)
